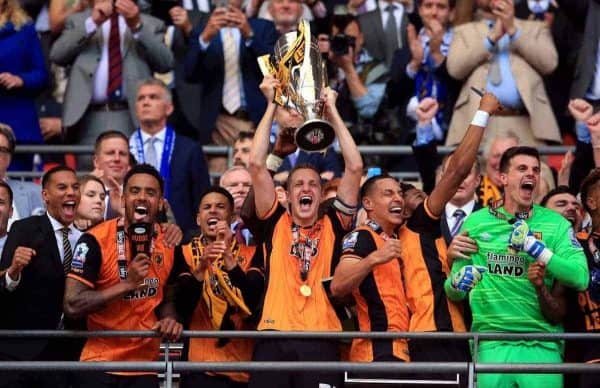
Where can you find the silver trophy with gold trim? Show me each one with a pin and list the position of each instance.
(300, 69)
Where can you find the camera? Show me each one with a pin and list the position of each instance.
(340, 44)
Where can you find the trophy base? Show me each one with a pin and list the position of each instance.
(314, 135)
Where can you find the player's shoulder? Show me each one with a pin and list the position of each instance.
(549, 215)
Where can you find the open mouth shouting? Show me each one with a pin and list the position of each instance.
(305, 202)
(140, 213)
(69, 209)
(212, 223)
(527, 187)
(395, 209)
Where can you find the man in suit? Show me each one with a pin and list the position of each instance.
(586, 83)
(179, 159)
(463, 203)
(26, 198)
(6, 211)
(223, 58)
(109, 48)
(507, 57)
(383, 36)
(35, 259)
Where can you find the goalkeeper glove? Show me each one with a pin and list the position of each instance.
(522, 239)
(467, 277)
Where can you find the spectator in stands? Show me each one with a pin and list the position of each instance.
(237, 181)
(201, 304)
(586, 83)
(286, 14)
(23, 75)
(36, 258)
(111, 163)
(6, 210)
(587, 151)
(179, 159)
(562, 200)
(359, 79)
(424, 61)
(109, 49)
(296, 300)
(117, 296)
(423, 265)
(584, 307)
(186, 117)
(508, 56)
(223, 58)
(491, 277)
(27, 196)
(384, 29)
(491, 185)
(92, 206)
(241, 149)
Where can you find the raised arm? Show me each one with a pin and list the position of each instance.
(262, 181)
(463, 157)
(353, 165)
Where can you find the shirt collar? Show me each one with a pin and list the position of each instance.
(397, 6)
(56, 225)
(160, 135)
(467, 208)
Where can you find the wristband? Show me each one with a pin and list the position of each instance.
(273, 162)
(480, 119)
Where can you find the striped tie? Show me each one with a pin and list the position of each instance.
(231, 84)
(459, 217)
(67, 252)
(115, 61)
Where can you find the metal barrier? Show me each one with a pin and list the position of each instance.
(169, 367)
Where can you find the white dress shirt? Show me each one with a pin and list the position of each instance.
(159, 145)
(101, 76)
(450, 209)
(593, 92)
(57, 227)
(203, 5)
(398, 12)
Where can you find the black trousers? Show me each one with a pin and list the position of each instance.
(198, 380)
(295, 350)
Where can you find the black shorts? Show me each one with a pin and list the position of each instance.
(421, 350)
(105, 380)
(295, 350)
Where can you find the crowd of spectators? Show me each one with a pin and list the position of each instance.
(499, 240)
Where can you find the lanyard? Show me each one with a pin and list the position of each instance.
(493, 209)
(379, 230)
(165, 158)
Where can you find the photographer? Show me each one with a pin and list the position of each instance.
(359, 79)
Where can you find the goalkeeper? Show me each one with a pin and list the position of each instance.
(497, 246)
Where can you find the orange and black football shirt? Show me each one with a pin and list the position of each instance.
(380, 299)
(95, 264)
(425, 269)
(284, 307)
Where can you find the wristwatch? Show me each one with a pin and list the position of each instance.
(137, 27)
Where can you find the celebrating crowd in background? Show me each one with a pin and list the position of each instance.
(150, 233)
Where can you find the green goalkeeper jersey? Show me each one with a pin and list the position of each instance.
(505, 300)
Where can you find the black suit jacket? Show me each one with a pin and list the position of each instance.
(444, 224)
(189, 177)
(588, 55)
(36, 303)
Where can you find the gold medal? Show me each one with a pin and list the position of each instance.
(305, 290)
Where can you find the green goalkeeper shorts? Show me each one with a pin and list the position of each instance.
(518, 352)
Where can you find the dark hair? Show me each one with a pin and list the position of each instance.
(342, 21)
(556, 191)
(88, 178)
(586, 186)
(245, 135)
(510, 153)
(10, 192)
(218, 190)
(8, 132)
(48, 175)
(451, 3)
(144, 168)
(302, 166)
(109, 135)
(370, 183)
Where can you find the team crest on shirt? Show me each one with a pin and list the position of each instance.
(350, 241)
(79, 257)
(485, 236)
(537, 235)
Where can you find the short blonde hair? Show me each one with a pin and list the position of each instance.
(13, 12)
